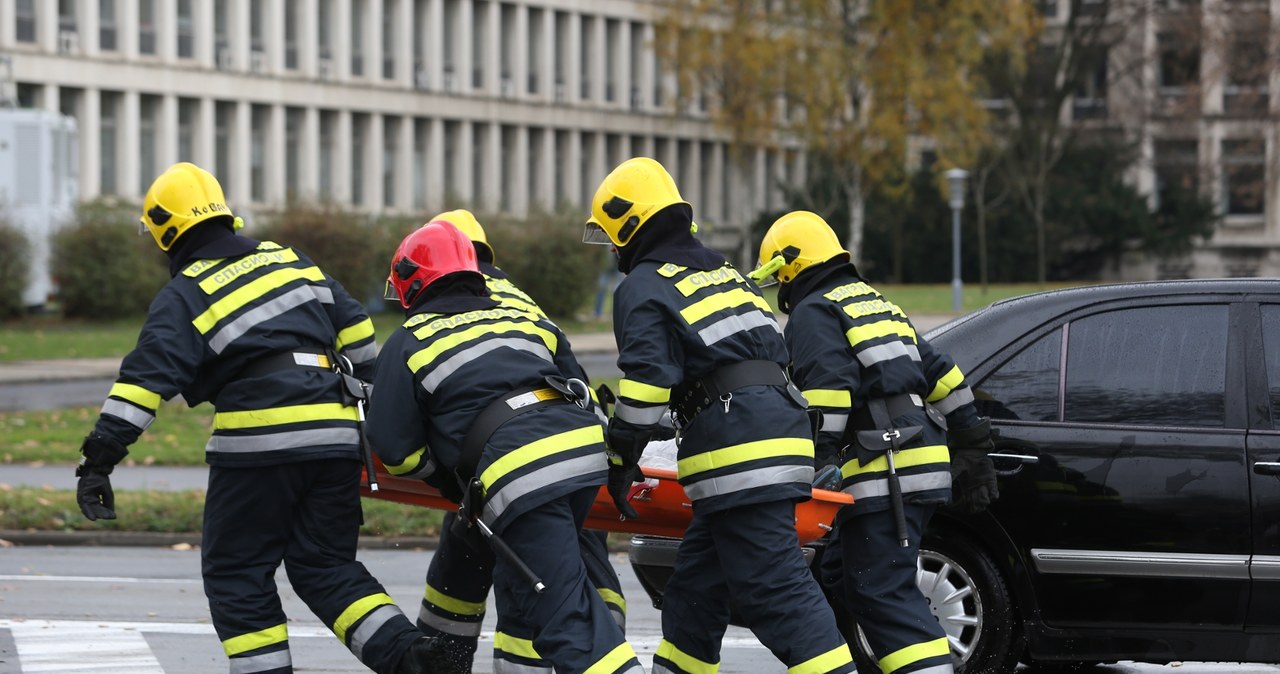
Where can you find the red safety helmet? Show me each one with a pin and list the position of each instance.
(433, 250)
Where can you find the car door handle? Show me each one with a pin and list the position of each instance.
(1022, 458)
(1267, 467)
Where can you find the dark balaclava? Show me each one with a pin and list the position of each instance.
(214, 238)
(453, 293)
(790, 294)
(666, 238)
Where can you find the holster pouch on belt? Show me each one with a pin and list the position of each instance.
(885, 439)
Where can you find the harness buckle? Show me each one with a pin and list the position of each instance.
(892, 435)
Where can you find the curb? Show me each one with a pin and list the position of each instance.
(167, 540)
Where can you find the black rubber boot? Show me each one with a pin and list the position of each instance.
(432, 655)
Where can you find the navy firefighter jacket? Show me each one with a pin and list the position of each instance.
(439, 371)
(676, 324)
(213, 320)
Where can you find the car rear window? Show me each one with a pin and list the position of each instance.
(1157, 366)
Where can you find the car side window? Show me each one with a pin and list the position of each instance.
(1158, 366)
(1271, 351)
(1026, 386)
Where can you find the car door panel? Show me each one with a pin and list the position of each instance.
(1264, 468)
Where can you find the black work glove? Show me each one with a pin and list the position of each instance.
(973, 475)
(626, 442)
(93, 489)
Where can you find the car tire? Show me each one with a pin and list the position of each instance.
(980, 617)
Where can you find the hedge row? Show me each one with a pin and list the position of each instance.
(13, 270)
(105, 270)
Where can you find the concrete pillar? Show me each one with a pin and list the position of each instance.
(402, 172)
(464, 157)
(433, 59)
(205, 143)
(341, 40)
(543, 195)
(308, 15)
(49, 98)
(89, 126)
(519, 188)
(128, 179)
(342, 159)
(309, 154)
(373, 49)
(622, 65)
(241, 157)
(203, 20)
(491, 165)
(87, 26)
(238, 34)
(126, 28)
(167, 132)
(465, 34)
(435, 163)
(596, 58)
(573, 58)
(406, 68)
(8, 23)
(273, 38)
(373, 156)
(547, 75)
(493, 48)
(693, 181)
(166, 13)
(646, 69)
(273, 161)
(573, 168)
(47, 25)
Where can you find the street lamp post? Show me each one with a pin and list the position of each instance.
(955, 180)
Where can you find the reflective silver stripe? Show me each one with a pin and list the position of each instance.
(604, 419)
(634, 669)
(1264, 567)
(269, 442)
(618, 617)
(455, 627)
(261, 663)
(834, 423)
(501, 666)
(659, 668)
(547, 475)
(276, 306)
(362, 354)
(1151, 564)
(882, 352)
(136, 416)
(456, 361)
(369, 627)
(732, 325)
(427, 469)
(936, 669)
(954, 400)
(748, 479)
(640, 416)
(938, 479)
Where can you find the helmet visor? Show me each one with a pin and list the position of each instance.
(142, 226)
(389, 293)
(595, 234)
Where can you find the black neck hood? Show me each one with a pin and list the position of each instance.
(208, 240)
(666, 238)
(790, 294)
(453, 294)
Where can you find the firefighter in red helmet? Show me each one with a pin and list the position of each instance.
(486, 402)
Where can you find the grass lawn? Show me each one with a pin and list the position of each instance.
(177, 438)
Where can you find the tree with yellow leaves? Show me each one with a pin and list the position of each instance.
(853, 80)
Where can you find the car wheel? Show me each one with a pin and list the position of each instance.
(971, 601)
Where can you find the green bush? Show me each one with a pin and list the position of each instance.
(343, 243)
(545, 256)
(13, 269)
(103, 268)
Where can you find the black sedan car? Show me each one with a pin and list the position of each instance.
(1139, 461)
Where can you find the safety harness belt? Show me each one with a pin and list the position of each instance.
(719, 386)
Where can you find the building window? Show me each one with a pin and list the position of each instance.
(1244, 176)
(506, 49)
(561, 188)
(25, 21)
(359, 135)
(186, 31)
(1177, 172)
(451, 74)
(586, 55)
(324, 30)
(1090, 100)
(188, 110)
(561, 57)
(107, 25)
(390, 132)
(507, 138)
(109, 115)
(612, 31)
(388, 40)
(222, 116)
(479, 29)
(259, 119)
(451, 132)
(257, 36)
(291, 34)
(533, 60)
(481, 136)
(422, 127)
(1249, 65)
(1179, 61)
(146, 26)
(67, 16)
(148, 131)
(293, 152)
(357, 38)
(328, 134)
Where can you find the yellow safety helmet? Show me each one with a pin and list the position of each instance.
(795, 242)
(184, 196)
(631, 194)
(466, 221)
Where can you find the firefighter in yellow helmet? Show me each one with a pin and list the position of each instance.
(257, 329)
(697, 339)
(460, 576)
(884, 393)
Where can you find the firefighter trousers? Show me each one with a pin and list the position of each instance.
(747, 557)
(876, 577)
(569, 624)
(306, 515)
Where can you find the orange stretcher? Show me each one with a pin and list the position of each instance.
(664, 509)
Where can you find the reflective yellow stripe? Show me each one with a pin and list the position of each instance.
(613, 660)
(275, 416)
(832, 659)
(526, 454)
(354, 333)
(135, 394)
(747, 451)
(611, 597)
(861, 333)
(508, 644)
(825, 397)
(705, 279)
(645, 393)
(424, 357)
(453, 604)
(683, 660)
(915, 653)
(953, 378)
(916, 456)
(357, 610)
(409, 464)
(250, 292)
(721, 301)
(244, 265)
(253, 640)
